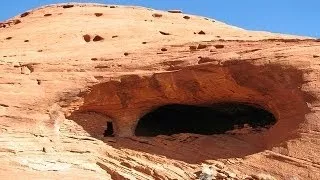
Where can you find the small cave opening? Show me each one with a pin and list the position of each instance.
(205, 120)
(109, 130)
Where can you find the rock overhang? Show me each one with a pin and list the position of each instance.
(267, 86)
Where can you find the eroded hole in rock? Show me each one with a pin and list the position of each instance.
(87, 37)
(98, 38)
(98, 14)
(67, 6)
(24, 14)
(205, 120)
(109, 130)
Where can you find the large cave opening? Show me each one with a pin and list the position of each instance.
(206, 120)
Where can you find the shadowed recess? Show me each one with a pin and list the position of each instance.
(109, 131)
(205, 120)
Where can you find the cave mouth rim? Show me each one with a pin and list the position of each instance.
(257, 126)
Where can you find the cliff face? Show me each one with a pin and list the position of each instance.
(68, 71)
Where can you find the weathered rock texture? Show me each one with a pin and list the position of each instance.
(59, 88)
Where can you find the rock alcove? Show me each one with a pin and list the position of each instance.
(204, 95)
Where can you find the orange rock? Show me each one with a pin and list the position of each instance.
(97, 84)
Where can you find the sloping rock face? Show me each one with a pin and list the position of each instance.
(67, 71)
